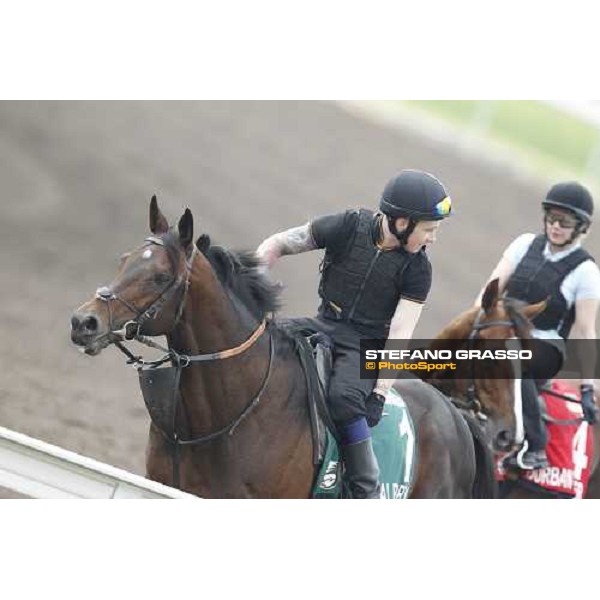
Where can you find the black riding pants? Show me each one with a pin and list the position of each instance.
(347, 391)
(546, 363)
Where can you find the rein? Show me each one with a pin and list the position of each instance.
(472, 403)
(228, 429)
(574, 421)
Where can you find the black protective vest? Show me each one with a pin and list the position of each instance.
(362, 284)
(536, 279)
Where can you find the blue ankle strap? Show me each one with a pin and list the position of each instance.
(355, 432)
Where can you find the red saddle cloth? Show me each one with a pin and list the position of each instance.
(570, 446)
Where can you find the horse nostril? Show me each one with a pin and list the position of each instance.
(504, 440)
(75, 323)
(90, 324)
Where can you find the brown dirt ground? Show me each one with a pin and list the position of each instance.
(76, 179)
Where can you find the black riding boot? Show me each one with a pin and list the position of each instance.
(362, 470)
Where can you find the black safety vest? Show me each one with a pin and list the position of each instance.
(362, 284)
(537, 278)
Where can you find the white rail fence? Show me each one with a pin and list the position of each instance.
(40, 470)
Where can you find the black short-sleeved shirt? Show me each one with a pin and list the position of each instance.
(334, 232)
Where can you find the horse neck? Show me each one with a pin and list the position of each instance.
(212, 321)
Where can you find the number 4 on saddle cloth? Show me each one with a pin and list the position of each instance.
(569, 449)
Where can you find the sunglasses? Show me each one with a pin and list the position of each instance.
(565, 221)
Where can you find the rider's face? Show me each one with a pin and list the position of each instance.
(423, 234)
(559, 225)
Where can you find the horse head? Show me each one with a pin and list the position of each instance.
(491, 387)
(148, 293)
(502, 323)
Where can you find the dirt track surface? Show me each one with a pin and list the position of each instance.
(76, 180)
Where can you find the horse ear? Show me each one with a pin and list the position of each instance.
(490, 296)
(533, 310)
(186, 228)
(158, 223)
(203, 243)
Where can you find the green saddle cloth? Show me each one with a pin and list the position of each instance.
(395, 448)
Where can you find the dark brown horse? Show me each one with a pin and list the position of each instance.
(234, 421)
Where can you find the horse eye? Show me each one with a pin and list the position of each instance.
(161, 277)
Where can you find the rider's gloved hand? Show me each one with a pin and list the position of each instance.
(374, 408)
(588, 404)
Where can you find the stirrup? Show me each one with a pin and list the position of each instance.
(521, 460)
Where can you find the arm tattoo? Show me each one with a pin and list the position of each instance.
(292, 241)
(296, 240)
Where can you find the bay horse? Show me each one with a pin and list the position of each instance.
(234, 421)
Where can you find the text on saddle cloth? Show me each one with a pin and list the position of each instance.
(394, 442)
(570, 445)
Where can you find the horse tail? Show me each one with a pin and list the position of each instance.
(485, 484)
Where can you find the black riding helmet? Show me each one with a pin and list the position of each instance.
(417, 195)
(572, 196)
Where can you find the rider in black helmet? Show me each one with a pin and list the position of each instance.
(417, 196)
(375, 279)
(554, 266)
(573, 198)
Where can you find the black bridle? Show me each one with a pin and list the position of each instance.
(132, 328)
(473, 403)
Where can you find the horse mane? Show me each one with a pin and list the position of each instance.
(240, 272)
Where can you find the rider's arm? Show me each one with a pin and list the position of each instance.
(330, 232)
(402, 327)
(292, 241)
(584, 328)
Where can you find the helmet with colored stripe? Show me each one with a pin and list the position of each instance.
(416, 195)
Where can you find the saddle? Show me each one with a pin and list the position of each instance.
(316, 358)
(393, 439)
